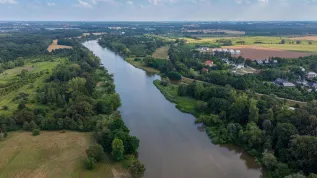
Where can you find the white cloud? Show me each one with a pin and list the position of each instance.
(155, 2)
(51, 4)
(84, 4)
(8, 2)
(130, 2)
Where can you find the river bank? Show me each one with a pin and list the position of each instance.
(171, 145)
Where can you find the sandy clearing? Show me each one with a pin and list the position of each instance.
(54, 46)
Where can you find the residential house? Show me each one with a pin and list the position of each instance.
(313, 85)
(225, 60)
(283, 83)
(238, 52)
(275, 61)
(311, 75)
(259, 61)
(209, 63)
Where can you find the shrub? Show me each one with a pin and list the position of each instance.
(5, 107)
(136, 169)
(174, 76)
(95, 152)
(26, 126)
(36, 132)
(90, 163)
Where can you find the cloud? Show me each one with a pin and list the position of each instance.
(84, 4)
(155, 2)
(130, 2)
(8, 2)
(51, 4)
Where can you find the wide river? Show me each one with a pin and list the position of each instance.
(171, 145)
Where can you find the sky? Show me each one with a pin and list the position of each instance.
(158, 10)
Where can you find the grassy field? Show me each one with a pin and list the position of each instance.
(51, 154)
(161, 53)
(184, 104)
(261, 41)
(140, 65)
(12, 75)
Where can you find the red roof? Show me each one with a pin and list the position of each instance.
(209, 62)
(204, 69)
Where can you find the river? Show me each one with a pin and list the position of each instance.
(171, 145)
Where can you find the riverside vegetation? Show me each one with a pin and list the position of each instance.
(66, 89)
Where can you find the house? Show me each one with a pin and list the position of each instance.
(275, 61)
(313, 85)
(204, 70)
(232, 52)
(240, 66)
(238, 52)
(266, 61)
(302, 82)
(311, 75)
(209, 63)
(259, 61)
(225, 60)
(283, 83)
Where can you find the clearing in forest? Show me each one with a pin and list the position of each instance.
(51, 154)
(161, 53)
(54, 46)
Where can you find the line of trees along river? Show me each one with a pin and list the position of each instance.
(171, 145)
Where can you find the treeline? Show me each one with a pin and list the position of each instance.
(284, 140)
(127, 45)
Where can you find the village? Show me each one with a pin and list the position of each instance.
(243, 69)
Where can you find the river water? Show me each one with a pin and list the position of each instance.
(171, 145)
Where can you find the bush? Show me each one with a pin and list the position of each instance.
(26, 126)
(174, 76)
(36, 132)
(90, 163)
(5, 107)
(136, 169)
(95, 152)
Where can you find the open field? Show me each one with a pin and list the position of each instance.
(51, 154)
(261, 52)
(54, 46)
(161, 53)
(11, 75)
(312, 38)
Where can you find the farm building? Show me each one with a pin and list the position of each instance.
(209, 63)
(283, 83)
(311, 75)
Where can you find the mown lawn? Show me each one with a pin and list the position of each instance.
(161, 53)
(51, 154)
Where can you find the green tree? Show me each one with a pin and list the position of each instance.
(117, 149)
(269, 160)
(253, 111)
(95, 152)
(26, 126)
(33, 125)
(174, 76)
(76, 84)
(136, 169)
(90, 163)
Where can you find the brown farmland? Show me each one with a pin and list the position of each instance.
(257, 52)
(54, 46)
(311, 38)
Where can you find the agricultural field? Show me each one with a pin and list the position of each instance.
(51, 154)
(161, 53)
(312, 38)
(12, 77)
(260, 47)
(54, 46)
(259, 52)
